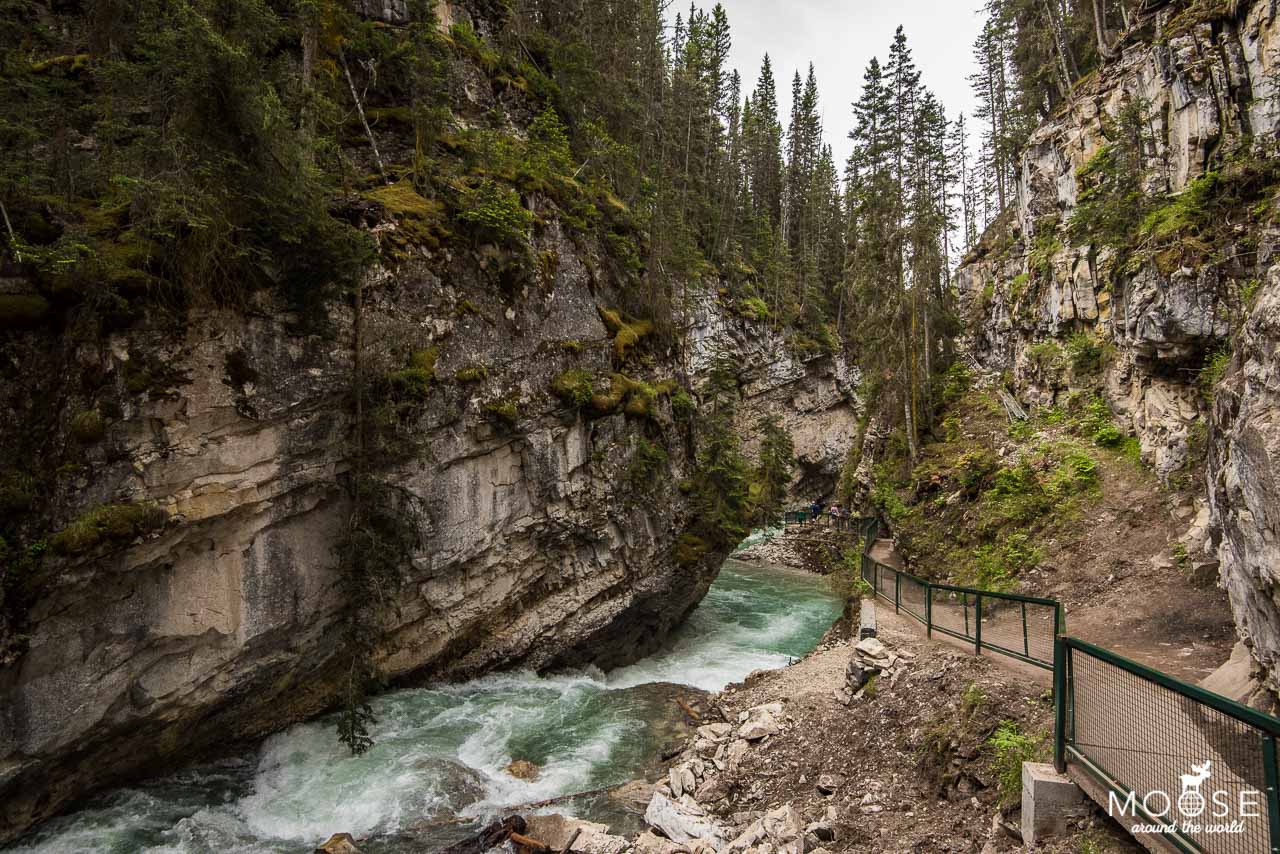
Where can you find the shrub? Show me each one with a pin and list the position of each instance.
(108, 523)
(471, 374)
(17, 310)
(1007, 748)
(1086, 353)
(505, 410)
(1076, 473)
(1215, 368)
(496, 213)
(683, 406)
(414, 382)
(573, 387)
(753, 308)
(646, 460)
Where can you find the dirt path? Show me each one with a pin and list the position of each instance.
(1123, 588)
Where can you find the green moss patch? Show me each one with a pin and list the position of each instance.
(627, 332)
(108, 523)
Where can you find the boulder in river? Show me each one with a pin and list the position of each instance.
(522, 769)
(339, 843)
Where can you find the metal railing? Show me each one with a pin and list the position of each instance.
(1021, 627)
(1198, 766)
(839, 523)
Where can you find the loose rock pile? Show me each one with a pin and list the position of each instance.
(870, 660)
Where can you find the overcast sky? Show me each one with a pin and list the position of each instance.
(840, 37)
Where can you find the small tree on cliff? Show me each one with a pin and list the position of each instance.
(722, 486)
(773, 471)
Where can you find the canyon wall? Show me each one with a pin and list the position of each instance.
(1179, 339)
(184, 488)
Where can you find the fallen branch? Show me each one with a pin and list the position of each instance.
(577, 831)
(529, 842)
(13, 239)
(688, 710)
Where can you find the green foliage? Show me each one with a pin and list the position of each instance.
(471, 374)
(1047, 356)
(753, 308)
(1086, 353)
(996, 566)
(1111, 201)
(381, 536)
(1018, 286)
(1006, 749)
(413, 383)
(88, 427)
(646, 462)
(573, 387)
(721, 496)
(505, 410)
(108, 523)
(627, 332)
(773, 470)
(1216, 364)
(420, 222)
(690, 549)
(683, 406)
(496, 213)
(1076, 473)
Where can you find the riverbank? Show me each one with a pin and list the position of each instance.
(905, 764)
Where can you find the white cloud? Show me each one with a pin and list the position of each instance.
(840, 37)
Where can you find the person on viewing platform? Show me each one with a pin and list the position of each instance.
(815, 510)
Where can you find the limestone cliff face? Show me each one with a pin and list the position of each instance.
(536, 546)
(1207, 85)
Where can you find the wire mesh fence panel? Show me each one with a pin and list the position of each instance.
(1019, 627)
(952, 611)
(913, 596)
(1191, 764)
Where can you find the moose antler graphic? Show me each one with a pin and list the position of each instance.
(1192, 782)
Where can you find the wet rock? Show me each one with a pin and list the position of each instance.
(339, 843)
(634, 796)
(556, 831)
(522, 769)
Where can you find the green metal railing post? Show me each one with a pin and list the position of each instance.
(977, 627)
(1060, 703)
(928, 610)
(897, 588)
(1026, 643)
(1273, 788)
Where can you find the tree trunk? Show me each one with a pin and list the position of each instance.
(1100, 30)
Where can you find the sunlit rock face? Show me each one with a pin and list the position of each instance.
(1029, 289)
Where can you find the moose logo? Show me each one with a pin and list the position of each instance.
(1224, 810)
(1191, 802)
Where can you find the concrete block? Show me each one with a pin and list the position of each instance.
(1049, 801)
(867, 619)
